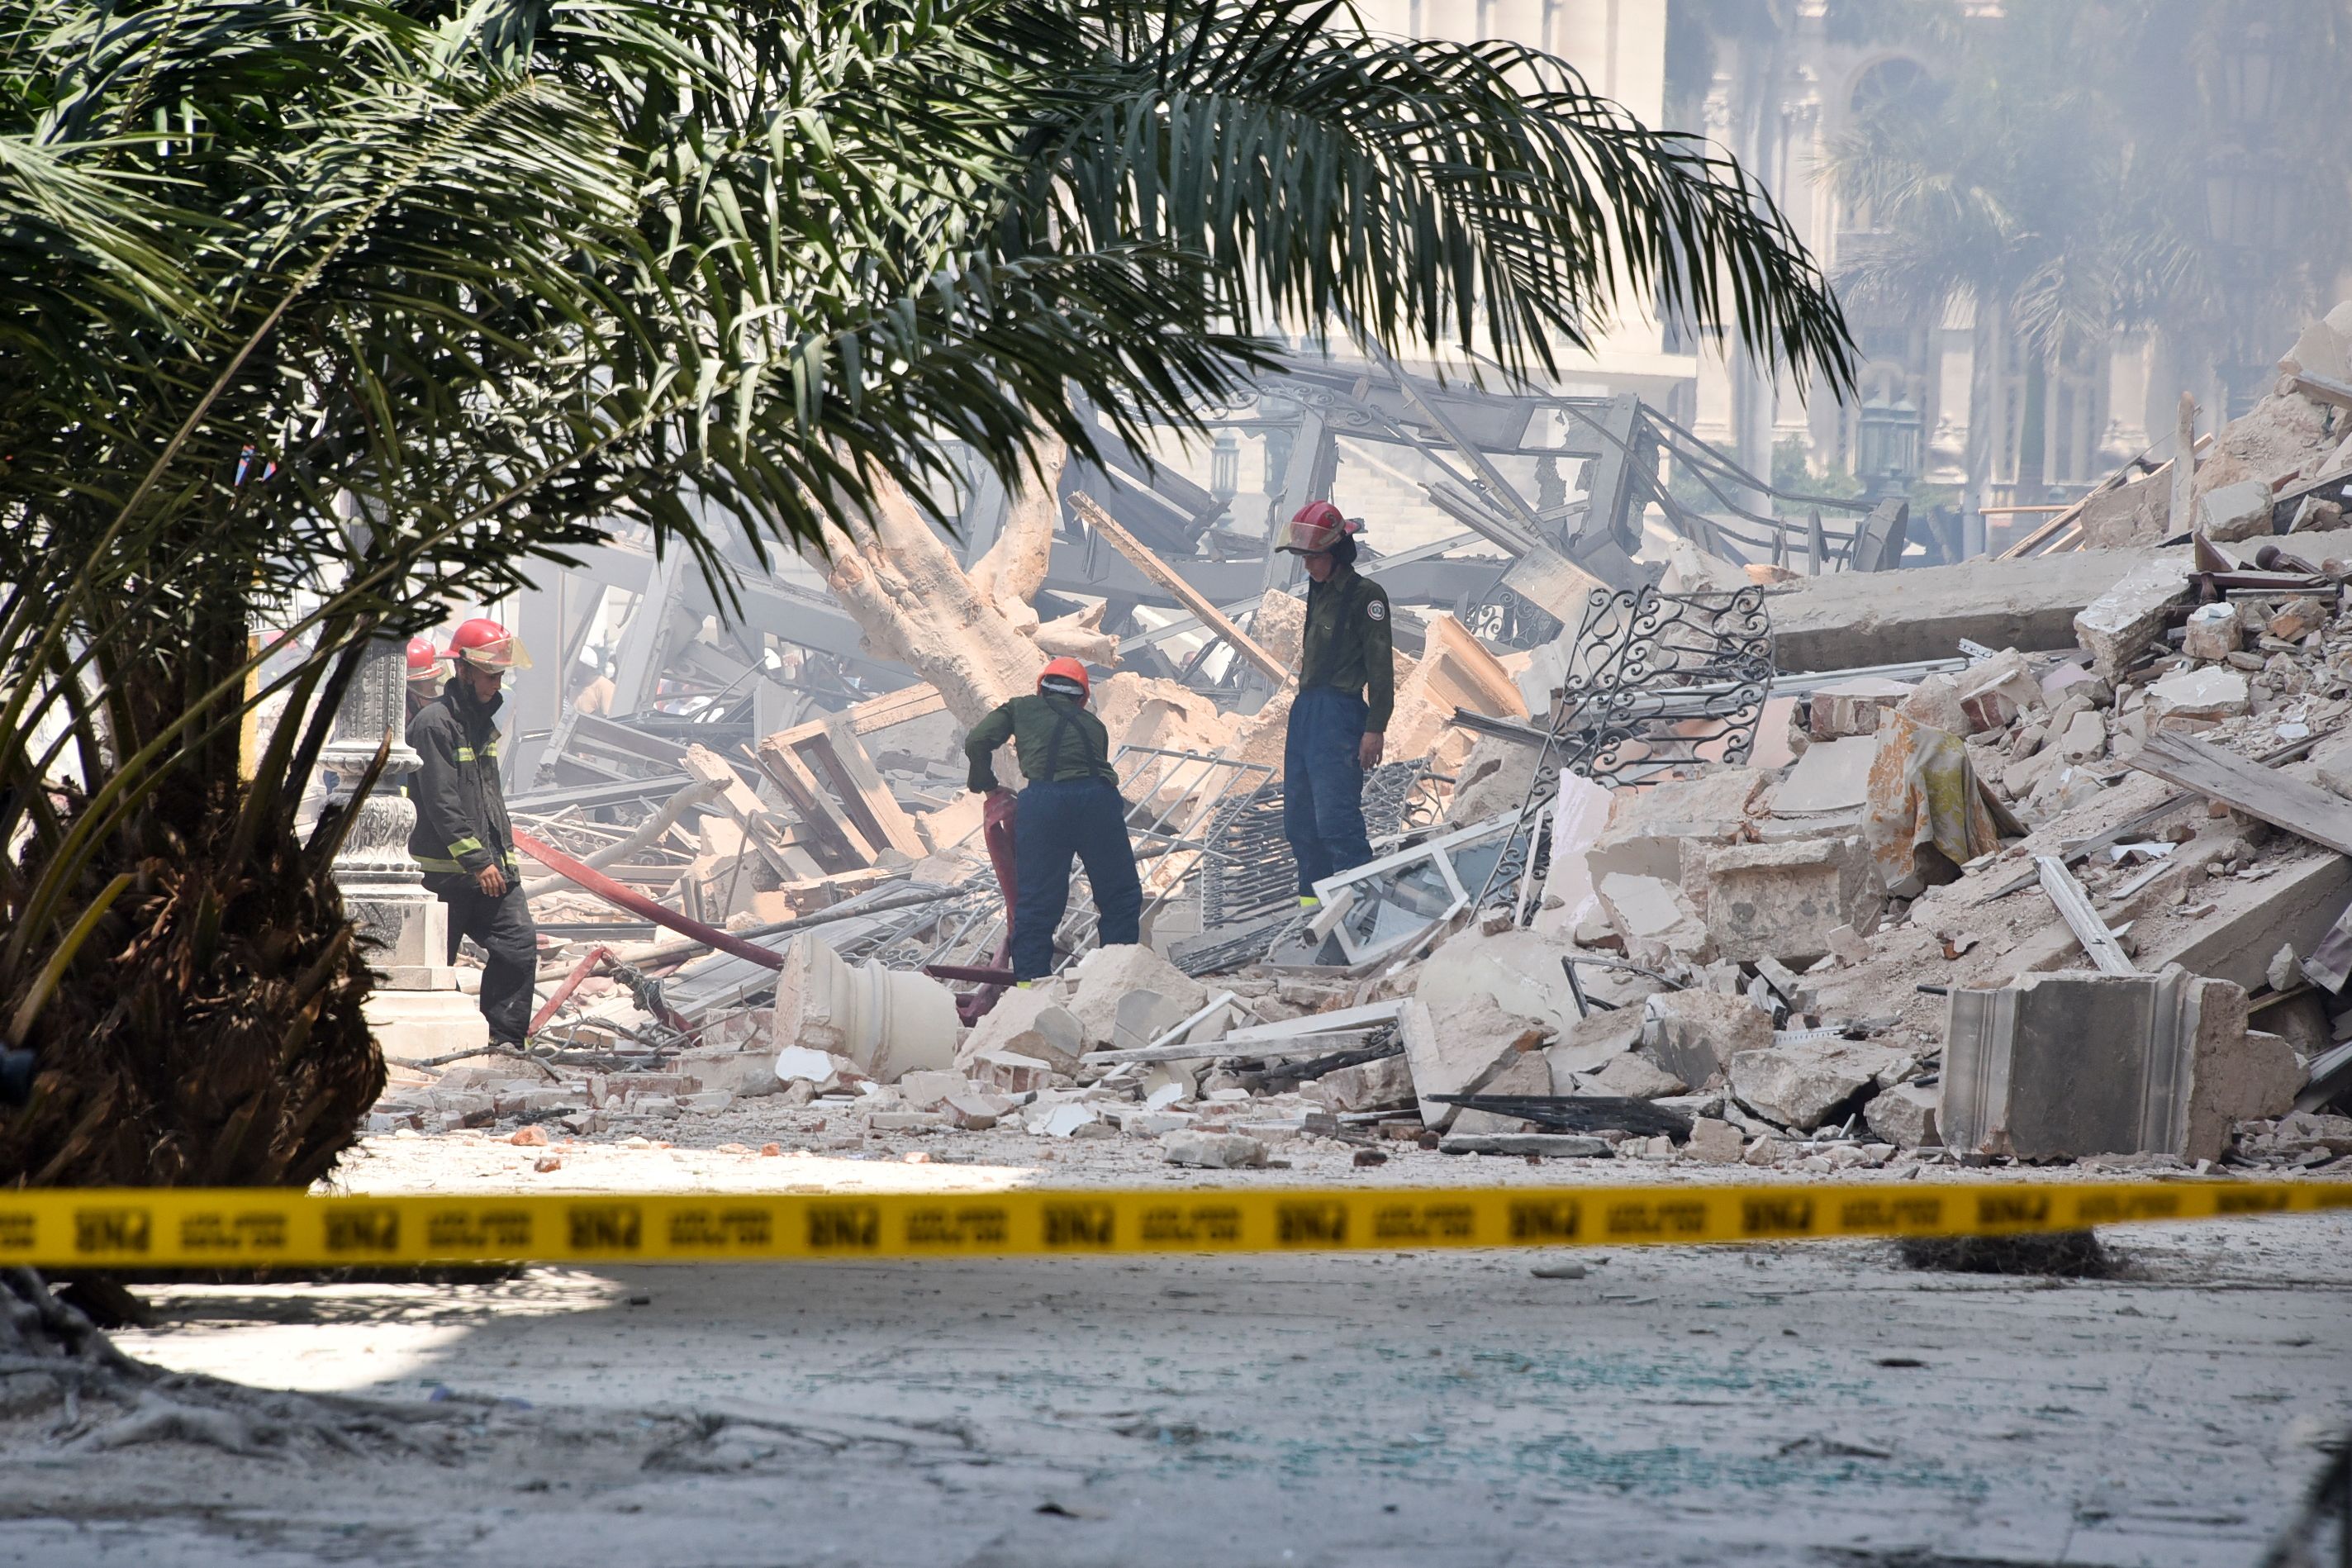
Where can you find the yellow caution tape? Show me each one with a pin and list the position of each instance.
(251, 1227)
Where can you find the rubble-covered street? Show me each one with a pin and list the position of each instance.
(1808, 1403)
(1099, 783)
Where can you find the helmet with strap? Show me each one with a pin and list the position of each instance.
(486, 645)
(1065, 678)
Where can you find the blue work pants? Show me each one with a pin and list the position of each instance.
(1323, 784)
(1082, 817)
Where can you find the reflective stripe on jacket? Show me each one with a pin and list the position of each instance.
(461, 808)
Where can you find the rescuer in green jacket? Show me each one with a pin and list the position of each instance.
(1347, 690)
(1071, 807)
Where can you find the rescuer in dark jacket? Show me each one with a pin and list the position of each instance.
(463, 841)
(1071, 807)
(1347, 690)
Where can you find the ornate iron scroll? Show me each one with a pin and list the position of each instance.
(1662, 683)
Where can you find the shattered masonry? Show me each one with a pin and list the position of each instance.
(2046, 857)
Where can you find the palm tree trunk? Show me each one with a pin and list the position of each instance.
(1985, 415)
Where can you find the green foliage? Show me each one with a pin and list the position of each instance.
(2060, 173)
(319, 312)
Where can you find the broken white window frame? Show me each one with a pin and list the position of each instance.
(1342, 893)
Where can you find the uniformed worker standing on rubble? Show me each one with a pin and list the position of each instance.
(1071, 807)
(463, 841)
(1347, 689)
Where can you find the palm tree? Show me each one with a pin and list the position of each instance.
(2057, 178)
(335, 310)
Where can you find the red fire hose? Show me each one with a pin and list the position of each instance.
(611, 892)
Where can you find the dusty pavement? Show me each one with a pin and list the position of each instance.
(1791, 1403)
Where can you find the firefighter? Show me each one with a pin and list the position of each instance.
(463, 841)
(1071, 807)
(1347, 689)
(428, 671)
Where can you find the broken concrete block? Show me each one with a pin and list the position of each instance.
(1783, 901)
(1212, 1151)
(1715, 1143)
(1011, 1072)
(1100, 979)
(2084, 737)
(2061, 1065)
(927, 1089)
(1634, 1076)
(1832, 777)
(1802, 1084)
(1696, 1034)
(1588, 1045)
(2197, 696)
(972, 1110)
(1850, 708)
(1904, 1116)
(1527, 1074)
(1937, 704)
(1142, 1016)
(1368, 1085)
(1494, 779)
(1029, 1023)
(1516, 971)
(1647, 827)
(822, 1070)
(2215, 633)
(2333, 768)
(1848, 946)
(887, 1021)
(1654, 919)
(2241, 511)
(1995, 692)
(1476, 1043)
(2298, 618)
(2119, 624)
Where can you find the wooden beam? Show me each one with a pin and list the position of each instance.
(760, 826)
(2324, 389)
(2107, 955)
(1159, 571)
(2302, 809)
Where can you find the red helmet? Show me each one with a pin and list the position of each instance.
(1316, 526)
(426, 663)
(486, 645)
(1066, 677)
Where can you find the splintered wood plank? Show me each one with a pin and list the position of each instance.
(2106, 954)
(2302, 809)
(760, 826)
(1193, 600)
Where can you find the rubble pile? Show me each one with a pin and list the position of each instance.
(2075, 900)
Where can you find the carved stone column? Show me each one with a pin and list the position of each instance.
(383, 890)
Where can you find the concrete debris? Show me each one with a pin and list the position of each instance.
(1819, 951)
(1851, 708)
(1800, 1084)
(1696, 1035)
(1783, 901)
(1095, 984)
(1478, 1042)
(1212, 1151)
(2065, 1065)
(1028, 1023)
